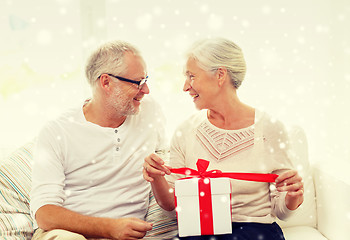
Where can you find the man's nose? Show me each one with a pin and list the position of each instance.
(145, 89)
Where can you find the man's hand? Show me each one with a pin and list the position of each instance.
(154, 167)
(291, 182)
(129, 228)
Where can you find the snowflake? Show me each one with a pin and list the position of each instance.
(322, 29)
(178, 209)
(144, 22)
(100, 22)
(245, 23)
(68, 192)
(272, 187)
(178, 133)
(63, 11)
(301, 40)
(157, 10)
(348, 215)
(224, 199)
(69, 30)
(300, 167)
(204, 8)
(215, 22)
(266, 10)
(341, 17)
(44, 37)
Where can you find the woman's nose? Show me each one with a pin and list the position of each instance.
(187, 85)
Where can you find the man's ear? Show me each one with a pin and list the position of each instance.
(221, 74)
(105, 82)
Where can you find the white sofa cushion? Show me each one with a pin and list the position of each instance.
(333, 198)
(302, 233)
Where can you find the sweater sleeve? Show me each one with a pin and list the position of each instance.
(278, 152)
(177, 152)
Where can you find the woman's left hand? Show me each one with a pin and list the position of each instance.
(292, 183)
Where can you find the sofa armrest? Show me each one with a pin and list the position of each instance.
(332, 184)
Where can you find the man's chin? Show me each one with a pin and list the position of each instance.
(133, 110)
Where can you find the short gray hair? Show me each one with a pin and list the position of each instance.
(212, 54)
(108, 58)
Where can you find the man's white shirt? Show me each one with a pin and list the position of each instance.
(94, 170)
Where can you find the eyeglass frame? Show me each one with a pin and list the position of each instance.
(140, 83)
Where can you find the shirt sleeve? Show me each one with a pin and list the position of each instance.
(48, 171)
(162, 146)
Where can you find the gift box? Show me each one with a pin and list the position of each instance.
(203, 206)
(203, 200)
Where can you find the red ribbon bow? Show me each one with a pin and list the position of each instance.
(202, 166)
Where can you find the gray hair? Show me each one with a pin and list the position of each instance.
(108, 58)
(212, 54)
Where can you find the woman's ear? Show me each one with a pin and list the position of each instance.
(221, 75)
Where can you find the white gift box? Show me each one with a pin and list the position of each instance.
(203, 206)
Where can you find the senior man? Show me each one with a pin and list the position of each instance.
(87, 172)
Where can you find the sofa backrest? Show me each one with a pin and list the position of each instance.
(306, 214)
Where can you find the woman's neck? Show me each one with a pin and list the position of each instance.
(232, 115)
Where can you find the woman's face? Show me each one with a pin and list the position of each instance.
(200, 84)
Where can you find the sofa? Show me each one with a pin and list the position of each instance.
(325, 213)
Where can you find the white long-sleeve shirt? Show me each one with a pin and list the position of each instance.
(260, 148)
(95, 170)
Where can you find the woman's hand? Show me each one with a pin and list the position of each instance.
(292, 183)
(154, 167)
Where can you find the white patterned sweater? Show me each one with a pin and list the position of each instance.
(260, 148)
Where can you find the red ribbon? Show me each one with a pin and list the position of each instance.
(202, 166)
(205, 202)
(205, 207)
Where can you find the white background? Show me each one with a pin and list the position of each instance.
(297, 53)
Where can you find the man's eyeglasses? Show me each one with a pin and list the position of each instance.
(140, 83)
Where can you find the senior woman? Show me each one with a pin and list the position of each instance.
(234, 137)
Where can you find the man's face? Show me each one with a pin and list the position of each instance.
(125, 97)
